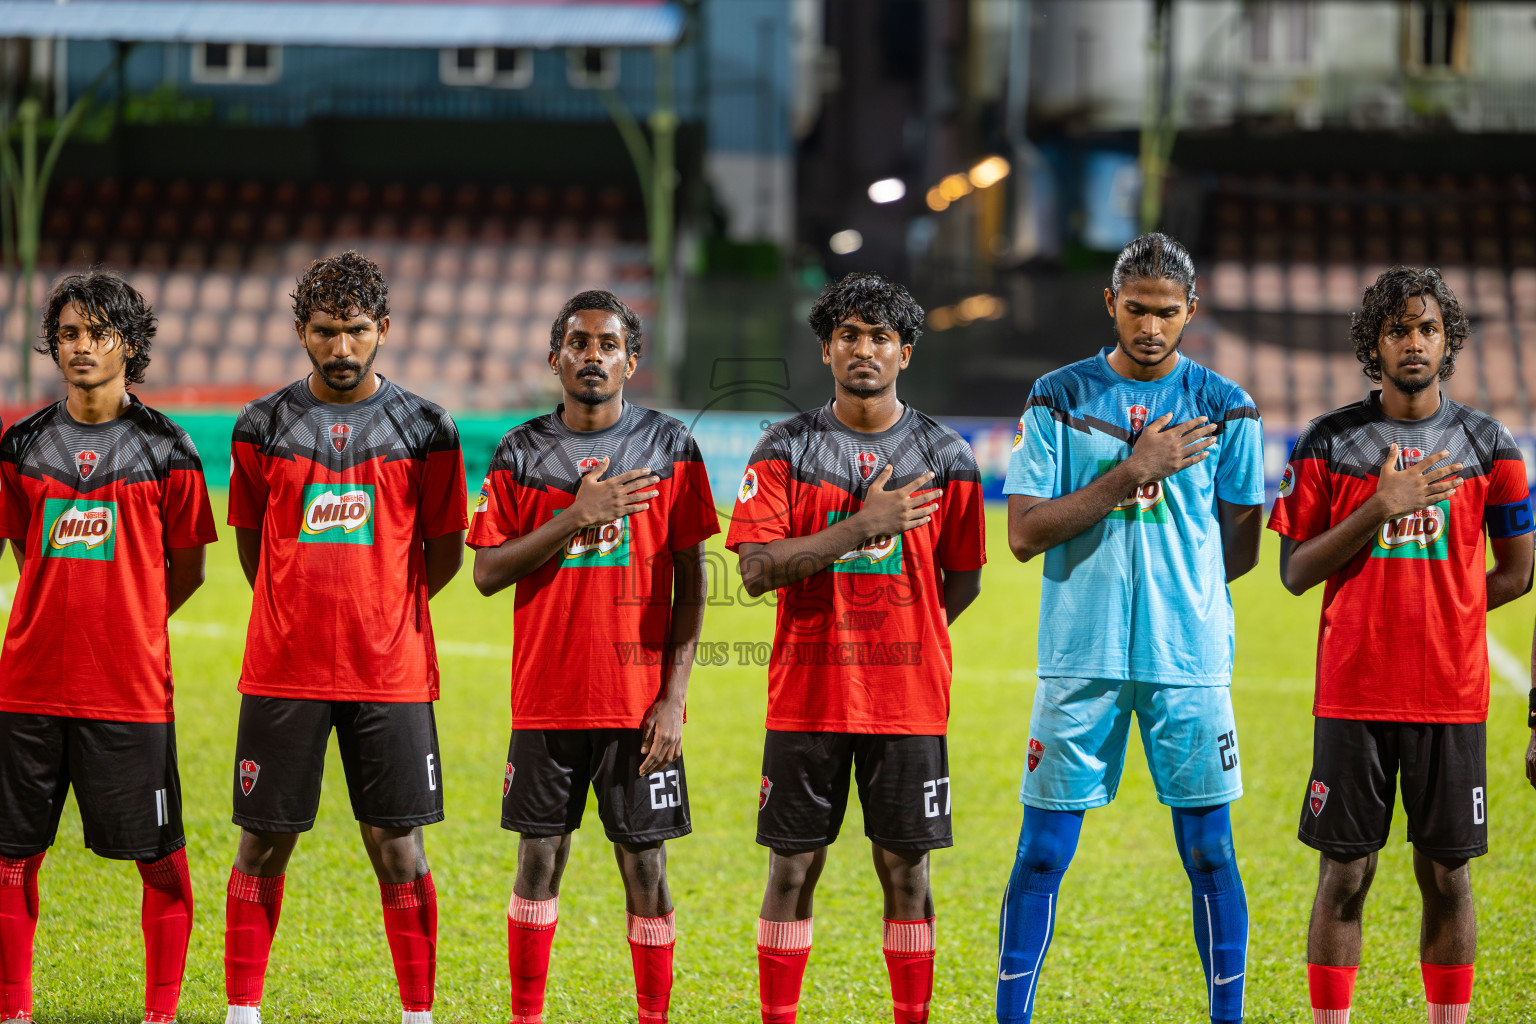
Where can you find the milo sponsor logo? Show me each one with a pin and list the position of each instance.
(878, 555)
(79, 528)
(603, 544)
(1421, 534)
(1147, 503)
(337, 514)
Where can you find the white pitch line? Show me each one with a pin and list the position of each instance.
(1508, 667)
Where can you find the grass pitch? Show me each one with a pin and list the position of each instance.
(1122, 951)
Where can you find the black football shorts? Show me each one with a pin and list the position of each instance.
(544, 789)
(123, 773)
(903, 786)
(388, 751)
(1347, 811)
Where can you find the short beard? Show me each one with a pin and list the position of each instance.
(593, 399)
(1125, 350)
(335, 385)
(1414, 387)
(863, 390)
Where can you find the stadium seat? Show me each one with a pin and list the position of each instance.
(522, 264)
(277, 331)
(440, 296)
(205, 329)
(1271, 382)
(512, 300)
(232, 366)
(253, 294)
(269, 367)
(216, 291)
(1465, 385)
(242, 331)
(1342, 287)
(430, 335)
(191, 366)
(476, 299)
(484, 263)
(1304, 286)
(1308, 384)
(171, 331)
(1267, 288)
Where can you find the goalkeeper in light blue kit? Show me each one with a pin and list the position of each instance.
(1138, 474)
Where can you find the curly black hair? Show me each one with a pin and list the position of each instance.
(343, 285)
(1388, 298)
(871, 299)
(103, 299)
(1152, 257)
(605, 302)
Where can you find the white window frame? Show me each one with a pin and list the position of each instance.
(484, 71)
(237, 73)
(576, 68)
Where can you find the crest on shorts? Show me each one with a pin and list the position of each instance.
(867, 462)
(1317, 795)
(85, 463)
(1138, 415)
(1036, 751)
(339, 434)
(763, 791)
(506, 780)
(248, 771)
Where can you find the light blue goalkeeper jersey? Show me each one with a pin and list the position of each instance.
(1141, 594)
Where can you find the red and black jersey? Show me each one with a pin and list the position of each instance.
(863, 645)
(94, 507)
(344, 497)
(1404, 625)
(591, 625)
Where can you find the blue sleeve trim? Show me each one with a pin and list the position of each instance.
(1512, 520)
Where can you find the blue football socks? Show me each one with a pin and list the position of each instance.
(1204, 837)
(1047, 842)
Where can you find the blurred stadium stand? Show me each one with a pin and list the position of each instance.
(474, 274)
(1289, 259)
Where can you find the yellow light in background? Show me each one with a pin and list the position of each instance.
(989, 172)
(955, 186)
(941, 319)
(936, 202)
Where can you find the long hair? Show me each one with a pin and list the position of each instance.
(104, 300)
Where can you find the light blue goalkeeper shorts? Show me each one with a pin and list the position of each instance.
(1078, 732)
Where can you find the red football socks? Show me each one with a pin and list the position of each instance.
(651, 940)
(530, 934)
(909, 947)
(18, 924)
(410, 924)
(166, 916)
(1332, 989)
(1448, 991)
(783, 948)
(250, 920)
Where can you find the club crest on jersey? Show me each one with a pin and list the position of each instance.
(603, 544)
(85, 463)
(588, 464)
(337, 514)
(1317, 796)
(763, 792)
(1138, 415)
(878, 555)
(79, 528)
(506, 780)
(1409, 457)
(1036, 752)
(339, 434)
(867, 462)
(1287, 481)
(248, 771)
(748, 489)
(1421, 534)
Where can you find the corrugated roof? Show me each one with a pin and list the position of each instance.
(333, 23)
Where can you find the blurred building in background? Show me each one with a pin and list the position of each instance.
(994, 154)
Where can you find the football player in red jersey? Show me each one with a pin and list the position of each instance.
(866, 516)
(347, 497)
(1392, 503)
(103, 498)
(598, 512)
